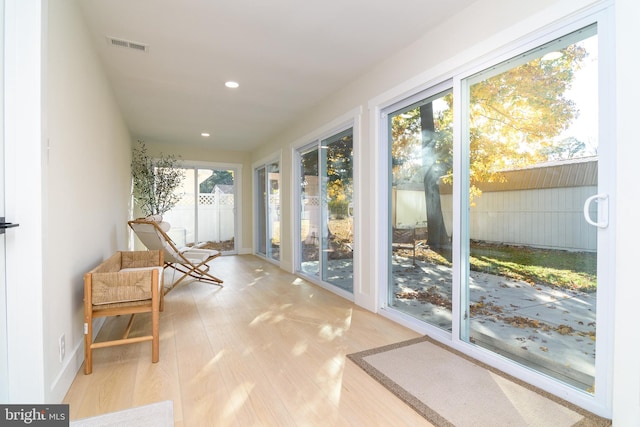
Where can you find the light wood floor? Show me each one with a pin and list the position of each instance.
(268, 349)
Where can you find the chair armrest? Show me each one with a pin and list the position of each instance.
(113, 263)
(141, 259)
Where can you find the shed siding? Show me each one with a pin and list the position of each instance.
(547, 218)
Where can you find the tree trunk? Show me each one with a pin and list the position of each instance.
(436, 231)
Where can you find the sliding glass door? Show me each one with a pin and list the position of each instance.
(267, 185)
(325, 213)
(498, 197)
(530, 286)
(206, 212)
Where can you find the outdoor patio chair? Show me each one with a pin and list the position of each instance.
(125, 283)
(405, 238)
(189, 261)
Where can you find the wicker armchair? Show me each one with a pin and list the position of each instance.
(125, 283)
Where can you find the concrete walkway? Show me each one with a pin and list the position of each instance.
(549, 329)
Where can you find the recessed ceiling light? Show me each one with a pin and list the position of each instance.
(232, 85)
(205, 134)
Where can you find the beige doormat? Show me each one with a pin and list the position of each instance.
(158, 414)
(449, 388)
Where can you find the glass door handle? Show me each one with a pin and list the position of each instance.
(602, 200)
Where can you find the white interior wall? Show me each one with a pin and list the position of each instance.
(88, 151)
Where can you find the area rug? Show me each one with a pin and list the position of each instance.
(158, 414)
(449, 388)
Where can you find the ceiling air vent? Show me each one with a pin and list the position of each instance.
(128, 44)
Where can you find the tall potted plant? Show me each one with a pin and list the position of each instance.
(155, 181)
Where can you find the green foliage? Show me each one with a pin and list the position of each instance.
(155, 181)
(339, 171)
(407, 150)
(218, 177)
(340, 175)
(514, 118)
(339, 208)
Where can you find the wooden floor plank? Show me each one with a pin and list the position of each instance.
(266, 349)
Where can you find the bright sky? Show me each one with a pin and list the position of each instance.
(584, 93)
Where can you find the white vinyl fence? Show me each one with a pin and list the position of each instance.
(216, 218)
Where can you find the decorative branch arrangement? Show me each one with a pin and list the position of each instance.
(155, 181)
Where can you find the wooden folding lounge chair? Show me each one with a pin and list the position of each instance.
(190, 261)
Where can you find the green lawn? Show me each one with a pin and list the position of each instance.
(570, 270)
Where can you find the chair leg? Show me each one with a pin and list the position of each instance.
(88, 326)
(193, 271)
(88, 359)
(156, 303)
(155, 332)
(155, 342)
(198, 273)
(127, 330)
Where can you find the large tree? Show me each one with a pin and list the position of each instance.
(434, 168)
(515, 118)
(337, 167)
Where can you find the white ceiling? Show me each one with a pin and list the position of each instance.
(287, 55)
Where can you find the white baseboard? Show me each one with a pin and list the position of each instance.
(72, 364)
